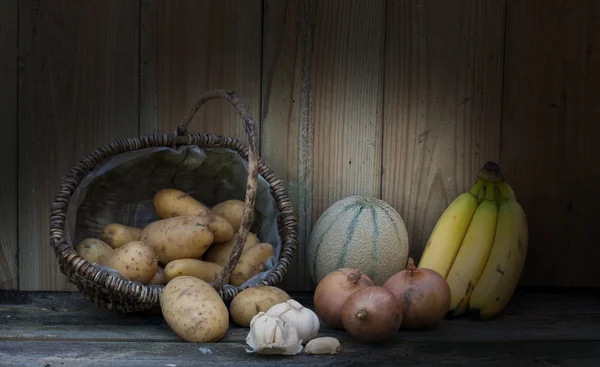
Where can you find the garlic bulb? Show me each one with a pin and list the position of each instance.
(271, 335)
(304, 319)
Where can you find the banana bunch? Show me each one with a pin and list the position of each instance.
(479, 246)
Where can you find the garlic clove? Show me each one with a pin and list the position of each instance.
(323, 345)
(304, 319)
(271, 335)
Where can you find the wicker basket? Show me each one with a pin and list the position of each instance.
(114, 293)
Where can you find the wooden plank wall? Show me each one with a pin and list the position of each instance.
(78, 90)
(9, 269)
(398, 99)
(550, 131)
(442, 104)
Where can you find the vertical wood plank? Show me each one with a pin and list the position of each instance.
(148, 66)
(205, 45)
(286, 113)
(347, 77)
(322, 101)
(8, 144)
(79, 82)
(550, 132)
(442, 104)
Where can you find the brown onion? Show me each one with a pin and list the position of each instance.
(332, 291)
(423, 293)
(372, 315)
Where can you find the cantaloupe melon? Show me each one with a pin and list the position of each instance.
(358, 232)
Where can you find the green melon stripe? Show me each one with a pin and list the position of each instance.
(350, 233)
(324, 233)
(375, 253)
(393, 222)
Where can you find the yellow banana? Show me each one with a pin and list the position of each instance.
(507, 258)
(473, 253)
(449, 231)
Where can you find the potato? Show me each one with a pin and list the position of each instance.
(251, 263)
(159, 277)
(219, 252)
(169, 203)
(231, 210)
(116, 235)
(221, 228)
(185, 237)
(196, 268)
(194, 310)
(253, 300)
(92, 249)
(135, 260)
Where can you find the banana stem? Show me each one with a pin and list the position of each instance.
(477, 187)
(491, 172)
(489, 191)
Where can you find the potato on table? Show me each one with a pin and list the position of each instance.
(92, 249)
(169, 203)
(194, 310)
(218, 253)
(206, 271)
(249, 302)
(135, 260)
(185, 237)
(116, 235)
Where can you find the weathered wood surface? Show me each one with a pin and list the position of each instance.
(400, 99)
(65, 329)
(200, 45)
(550, 133)
(67, 316)
(442, 105)
(287, 129)
(132, 354)
(322, 105)
(9, 265)
(148, 66)
(347, 58)
(78, 90)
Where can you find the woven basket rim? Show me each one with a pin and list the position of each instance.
(93, 281)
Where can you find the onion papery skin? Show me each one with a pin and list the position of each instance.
(333, 290)
(423, 293)
(372, 315)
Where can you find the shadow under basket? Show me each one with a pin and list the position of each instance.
(116, 184)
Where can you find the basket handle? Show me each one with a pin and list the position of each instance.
(248, 213)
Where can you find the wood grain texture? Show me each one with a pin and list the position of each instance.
(550, 132)
(398, 99)
(9, 271)
(78, 91)
(134, 354)
(287, 136)
(148, 66)
(347, 67)
(322, 98)
(204, 45)
(442, 105)
(530, 316)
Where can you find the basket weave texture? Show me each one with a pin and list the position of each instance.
(114, 293)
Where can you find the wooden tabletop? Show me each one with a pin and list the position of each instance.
(64, 329)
